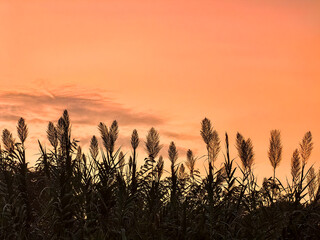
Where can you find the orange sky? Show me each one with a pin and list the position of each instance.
(249, 66)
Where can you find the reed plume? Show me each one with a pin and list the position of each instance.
(64, 123)
(312, 187)
(275, 150)
(52, 135)
(135, 139)
(245, 151)
(306, 147)
(7, 140)
(295, 165)
(64, 131)
(190, 163)
(206, 131)
(109, 136)
(113, 134)
(212, 141)
(153, 146)
(214, 147)
(66, 119)
(104, 135)
(173, 153)
(94, 147)
(22, 130)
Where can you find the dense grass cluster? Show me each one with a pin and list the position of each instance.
(105, 195)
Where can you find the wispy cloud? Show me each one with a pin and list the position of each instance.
(84, 108)
(180, 136)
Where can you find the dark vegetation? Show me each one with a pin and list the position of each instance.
(105, 195)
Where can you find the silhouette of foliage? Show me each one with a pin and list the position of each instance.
(69, 194)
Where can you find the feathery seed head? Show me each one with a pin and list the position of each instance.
(214, 147)
(191, 160)
(66, 118)
(311, 177)
(94, 147)
(295, 165)
(275, 148)
(173, 153)
(306, 147)
(135, 139)
(104, 135)
(22, 130)
(239, 140)
(7, 140)
(206, 131)
(114, 131)
(109, 136)
(153, 146)
(52, 135)
(245, 151)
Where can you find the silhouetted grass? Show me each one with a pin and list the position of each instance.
(105, 195)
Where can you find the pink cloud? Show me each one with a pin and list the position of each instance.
(84, 108)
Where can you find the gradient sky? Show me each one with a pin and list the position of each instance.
(249, 66)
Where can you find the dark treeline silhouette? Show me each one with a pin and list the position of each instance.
(104, 194)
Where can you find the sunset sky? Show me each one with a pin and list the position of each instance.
(249, 66)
